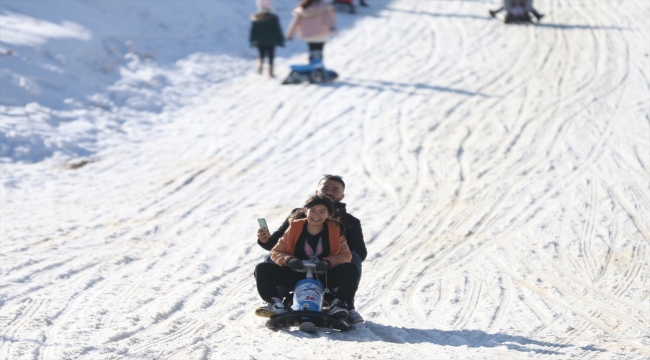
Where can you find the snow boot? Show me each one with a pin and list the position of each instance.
(275, 306)
(354, 317)
(339, 309)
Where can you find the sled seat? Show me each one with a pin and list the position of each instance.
(314, 65)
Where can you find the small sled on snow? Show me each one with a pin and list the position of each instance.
(517, 15)
(314, 72)
(309, 309)
(307, 321)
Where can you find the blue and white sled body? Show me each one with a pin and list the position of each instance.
(307, 312)
(314, 72)
(308, 295)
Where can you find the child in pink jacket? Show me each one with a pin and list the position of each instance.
(314, 21)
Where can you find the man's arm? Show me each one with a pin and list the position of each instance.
(277, 234)
(354, 235)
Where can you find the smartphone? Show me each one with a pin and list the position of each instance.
(262, 223)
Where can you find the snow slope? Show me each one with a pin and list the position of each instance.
(501, 174)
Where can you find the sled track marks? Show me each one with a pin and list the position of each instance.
(631, 211)
(470, 305)
(189, 318)
(615, 297)
(638, 324)
(521, 215)
(588, 317)
(415, 193)
(471, 142)
(25, 314)
(502, 309)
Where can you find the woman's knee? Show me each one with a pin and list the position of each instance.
(264, 268)
(349, 269)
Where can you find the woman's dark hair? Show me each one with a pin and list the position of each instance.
(320, 200)
(307, 3)
(313, 201)
(317, 200)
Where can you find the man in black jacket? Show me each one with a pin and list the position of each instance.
(334, 187)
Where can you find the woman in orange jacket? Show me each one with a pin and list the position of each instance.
(312, 235)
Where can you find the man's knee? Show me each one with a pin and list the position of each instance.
(356, 260)
(348, 269)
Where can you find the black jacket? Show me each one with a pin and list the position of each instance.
(265, 30)
(351, 230)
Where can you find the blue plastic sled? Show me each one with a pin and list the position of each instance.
(314, 72)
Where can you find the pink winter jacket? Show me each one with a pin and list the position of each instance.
(314, 23)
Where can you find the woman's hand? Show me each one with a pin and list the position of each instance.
(263, 235)
(323, 266)
(296, 264)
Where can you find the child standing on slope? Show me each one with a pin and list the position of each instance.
(315, 22)
(266, 34)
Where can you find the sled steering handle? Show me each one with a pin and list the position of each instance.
(310, 267)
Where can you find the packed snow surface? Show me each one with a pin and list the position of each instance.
(501, 174)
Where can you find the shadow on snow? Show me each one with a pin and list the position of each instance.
(469, 338)
(370, 331)
(487, 17)
(403, 87)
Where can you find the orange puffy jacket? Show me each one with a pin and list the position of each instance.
(284, 250)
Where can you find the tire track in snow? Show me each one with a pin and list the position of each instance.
(470, 304)
(585, 316)
(50, 335)
(631, 273)
(190, 326)
(428, 269)
(520, 56)
(630, 209)
(587, 301)
(18, 323)
(560, 269)
(180, 325)
(589, 233)
(414, 178)
(504, 304)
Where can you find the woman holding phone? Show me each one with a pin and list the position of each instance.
(312, 235)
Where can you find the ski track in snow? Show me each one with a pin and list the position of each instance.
(501, 174)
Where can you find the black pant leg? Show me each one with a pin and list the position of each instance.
(267, 51)
(261, 52)
(316, 50)
(271, 54)
(344, 277)
(270, 275)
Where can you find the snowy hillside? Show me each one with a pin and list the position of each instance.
(501, 175)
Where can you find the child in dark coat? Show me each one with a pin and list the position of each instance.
(266, 34)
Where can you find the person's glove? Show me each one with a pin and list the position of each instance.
(296, 264)
(323, 266)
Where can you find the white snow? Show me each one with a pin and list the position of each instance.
(501, 174)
